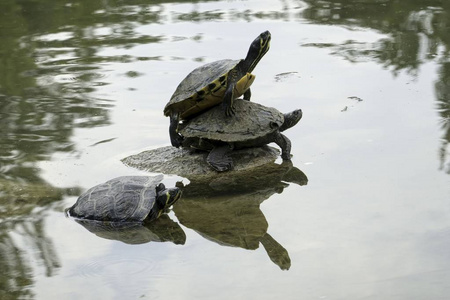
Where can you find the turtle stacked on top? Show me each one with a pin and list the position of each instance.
(198, 121)
(217, 82)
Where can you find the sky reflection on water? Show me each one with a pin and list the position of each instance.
(83, 85)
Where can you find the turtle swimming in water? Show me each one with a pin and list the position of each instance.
(254, 125)
(217, 82)
(125, 199)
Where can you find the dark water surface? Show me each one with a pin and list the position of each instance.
(83, 85)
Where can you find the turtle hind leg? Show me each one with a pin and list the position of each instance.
(285, 144)
(247, 94)
(175, 138)
(219, 158)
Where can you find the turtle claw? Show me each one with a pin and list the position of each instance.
(229, 110)
(222, 166)
(286, 156)
(175, 138)
(177, 141)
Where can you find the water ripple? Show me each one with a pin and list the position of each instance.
(116, 266)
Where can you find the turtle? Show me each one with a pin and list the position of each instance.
(217, 82)
(125, 199)
(254, 125)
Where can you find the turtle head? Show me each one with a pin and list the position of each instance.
(291, 119)
(165, 197)
(257, 49)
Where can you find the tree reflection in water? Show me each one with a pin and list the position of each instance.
(50, 62)
(418, 32)
(16, 278)
(50, 69)
(23, 237)
(443, 106)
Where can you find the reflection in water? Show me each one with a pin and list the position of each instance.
(270, 178)
(17, 276)
(50, 62)
(53, 61)
(226, 209)
(51, 56)
(22, 235)
(235, 221)
(162, 229)
(44, 90)
(417, 32)
(20, 199)
(224, 206)
(443, 106)
(221, 208)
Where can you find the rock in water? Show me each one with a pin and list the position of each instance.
(188, 163)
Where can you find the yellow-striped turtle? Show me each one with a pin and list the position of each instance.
(217, 82)
(125, 199)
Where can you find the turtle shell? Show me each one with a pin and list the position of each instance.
(252, 121)
(205, 84)
(124, 199)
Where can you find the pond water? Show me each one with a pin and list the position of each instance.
(83, 85)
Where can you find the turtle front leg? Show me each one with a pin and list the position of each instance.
(285, 144)
(229, 95)
(219, 158)
(228, 101)
(175, 138)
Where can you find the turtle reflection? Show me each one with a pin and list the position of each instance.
(226, 210)
(224, 207)
(163, 229)
(270, 177)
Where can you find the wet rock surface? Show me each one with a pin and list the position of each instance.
(190, 163)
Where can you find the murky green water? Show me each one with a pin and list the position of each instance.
(83, 85)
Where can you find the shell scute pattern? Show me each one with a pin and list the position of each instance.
(201, 83)
(127, 198)
(253, 121)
